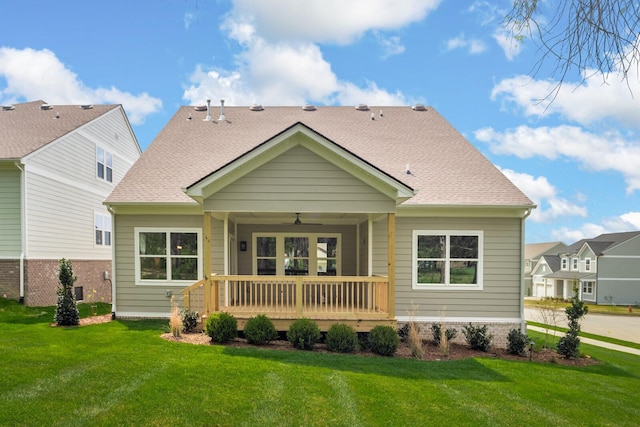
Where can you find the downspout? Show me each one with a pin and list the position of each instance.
(113, 262)
(523, 326)
(23, 225)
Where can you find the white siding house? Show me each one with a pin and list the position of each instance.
(58, 163)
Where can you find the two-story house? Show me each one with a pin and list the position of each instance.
(532, 254)
(604, 269)
(57, 165)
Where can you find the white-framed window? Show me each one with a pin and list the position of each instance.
(587, 264)
(587, 287)
(102, 229)
(575, 262)
(564, 264)
(104, 164)
(447, 259)
(168, 255)
(296, 254)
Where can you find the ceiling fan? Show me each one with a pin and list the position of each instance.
(299, 222)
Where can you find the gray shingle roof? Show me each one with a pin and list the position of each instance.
(445, 168)
(27, 127)
(601, 243)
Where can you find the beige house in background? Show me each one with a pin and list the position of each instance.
(57, 165)
(367, 215)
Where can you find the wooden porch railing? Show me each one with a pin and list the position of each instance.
(287, 297)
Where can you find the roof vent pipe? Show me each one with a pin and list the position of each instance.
(221, 118)
(208, 118)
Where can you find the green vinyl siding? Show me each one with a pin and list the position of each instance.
(10, 213)
(502, 265)
(297, 178)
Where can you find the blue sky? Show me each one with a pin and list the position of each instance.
(578, 158)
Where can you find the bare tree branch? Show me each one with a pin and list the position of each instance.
(584, 36)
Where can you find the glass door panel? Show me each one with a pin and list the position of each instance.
(296, 256)
(326, 255)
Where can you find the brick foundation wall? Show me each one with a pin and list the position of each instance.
(500, 331)
(41, 280)
(10, 278)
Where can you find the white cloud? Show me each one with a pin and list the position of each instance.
(585, 103)
(38, 74)
(473, 46)
(629, 221)
(544, 195)
(606, 152)
(326, 21)
(509, 44)
(281, 62)
(390, 45)
(188, 18)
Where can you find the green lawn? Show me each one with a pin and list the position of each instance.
(123, 373)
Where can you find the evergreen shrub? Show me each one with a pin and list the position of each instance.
(260, 330)
(341, 338)
(303, 334)
(383, 340)
(221, 327)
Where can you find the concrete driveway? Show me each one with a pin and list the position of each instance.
(622, 327)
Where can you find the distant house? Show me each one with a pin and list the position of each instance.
(363, 215)
(605, 270)
(57, 165)
(532, 253)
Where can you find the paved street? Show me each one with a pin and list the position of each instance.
(625, 328)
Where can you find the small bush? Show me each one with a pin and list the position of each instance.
(67, 313)
(568, 346)
(517, 342)
(477, 337)
(383, 340)
(403, 332)
(341, 338)
(175, 322)
(415, 341)
(436, 330)
(221, 327)
(260, 330)
(303, 334)
(189, 320)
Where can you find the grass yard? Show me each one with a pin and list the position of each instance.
(123, 373)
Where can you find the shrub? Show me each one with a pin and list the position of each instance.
(383, 340)
(221, 327)
(67, 313)
(260, 330)
(341, 338)
(403, 332)
(517, 342)
(477, 337)
(303, 334)
(415, 341)
(436, 330)
(175, 322)
(568, 345)
(189, 320)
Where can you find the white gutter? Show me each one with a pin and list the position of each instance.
(523, 326)
(23, 225)
(113, 262)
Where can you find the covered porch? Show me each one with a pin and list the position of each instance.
(362, 302)
(321, 277)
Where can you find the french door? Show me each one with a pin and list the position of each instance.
(296, 254)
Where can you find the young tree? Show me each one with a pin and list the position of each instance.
(67, 309)
(581, 35)
(568, 345)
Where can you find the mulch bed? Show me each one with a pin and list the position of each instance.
(431, 351)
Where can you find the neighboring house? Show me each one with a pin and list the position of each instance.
(542, 285)
(364, 215)
(604, 269)
(57, 165)
(532, 253)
